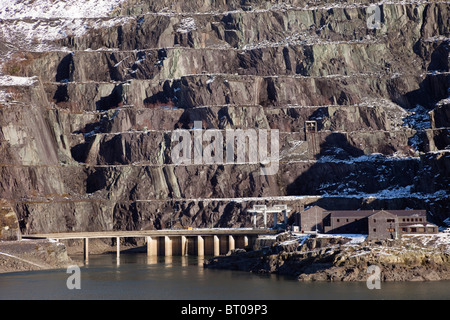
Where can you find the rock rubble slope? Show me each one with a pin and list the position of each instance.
(344, 258)
(90, 101)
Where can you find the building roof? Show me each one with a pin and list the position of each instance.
(366, 213)
(409, 213)
(351, 213)
(384, 212)
(312, 209)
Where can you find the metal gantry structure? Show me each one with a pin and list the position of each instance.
(276, 209)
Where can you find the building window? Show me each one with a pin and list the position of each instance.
(337, 220)
(374, 220)
(374, 229)
(390, 220)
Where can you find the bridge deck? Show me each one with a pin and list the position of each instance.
(150, 233)
(168, 242)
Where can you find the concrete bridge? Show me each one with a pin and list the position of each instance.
(170, 242)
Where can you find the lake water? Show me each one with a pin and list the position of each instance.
(183, 278)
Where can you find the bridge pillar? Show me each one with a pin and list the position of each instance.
(231, 243)
(245, 241)
(167, 246)
(152, 246)
(200, 246)
(241, 242)
(179, 245)
(86, 249)
(183, 250)
(216, 245)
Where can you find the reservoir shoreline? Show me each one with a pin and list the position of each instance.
(305, 258)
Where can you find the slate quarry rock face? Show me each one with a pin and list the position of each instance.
(87, 119)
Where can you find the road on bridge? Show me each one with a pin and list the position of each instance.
(152, 233)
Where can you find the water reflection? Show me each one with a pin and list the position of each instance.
(152, 259)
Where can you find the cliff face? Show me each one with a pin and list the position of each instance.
(90, 102)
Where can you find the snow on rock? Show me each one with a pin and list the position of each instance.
(5, 96)
(187, 25)
(392, 193)
(356, 238)
(6, 80)
(28, 24)
(36, 31)
(437, 241)
(51, 9)
(418, 118)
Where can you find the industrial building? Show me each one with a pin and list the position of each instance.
(377, 224)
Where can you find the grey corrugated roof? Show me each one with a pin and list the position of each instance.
(366, 213)
(409, 213)
(352, 213)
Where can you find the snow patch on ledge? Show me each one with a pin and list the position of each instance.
(31, 24)
(393, 193)
(187, 25)
(365, 158)
(50, 9)
(6, 80)
(356, 238)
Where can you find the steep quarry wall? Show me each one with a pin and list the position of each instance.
(90, 105)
